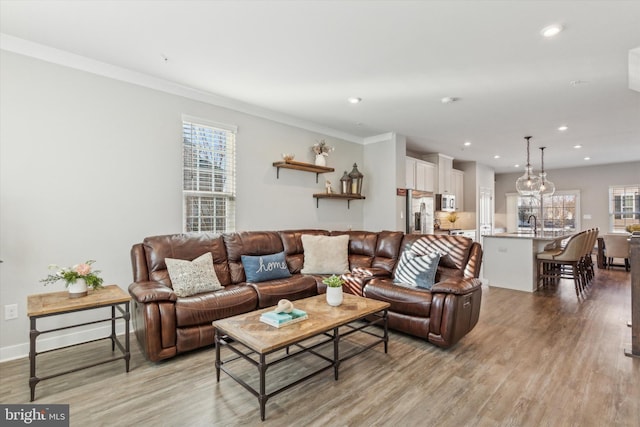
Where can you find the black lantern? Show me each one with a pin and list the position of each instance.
(356, 180)
(345, 183)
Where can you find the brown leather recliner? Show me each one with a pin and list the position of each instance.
(166, 324)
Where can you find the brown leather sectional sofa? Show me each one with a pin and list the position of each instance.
(166, 324)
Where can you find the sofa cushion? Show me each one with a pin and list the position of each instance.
(417, 270)
(292, 288)
(456, 247)
(325, 254)
(249, 243)
(265, 267)
(362, 246)
(387, 250)
(202, 309)
(192, 277)
(184, 246)
(404, 299)
(294, 252)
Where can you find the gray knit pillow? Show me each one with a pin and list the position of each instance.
(193, 277)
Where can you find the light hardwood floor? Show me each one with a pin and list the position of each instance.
(543, 359)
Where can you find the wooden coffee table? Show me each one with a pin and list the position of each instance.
(325, 321)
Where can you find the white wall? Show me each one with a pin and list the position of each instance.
(385, 164)
(91, 165)
(592, 181)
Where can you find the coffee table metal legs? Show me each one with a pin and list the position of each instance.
(262, 398)
(333, 335)
(216, 341)
(386, 330)
(336, 356)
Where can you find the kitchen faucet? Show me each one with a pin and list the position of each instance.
(535, 223)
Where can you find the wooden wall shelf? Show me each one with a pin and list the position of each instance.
(300, 166)
(347, 197)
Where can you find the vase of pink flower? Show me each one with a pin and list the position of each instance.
(77, 279)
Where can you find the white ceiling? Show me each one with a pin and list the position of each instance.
(305, 58)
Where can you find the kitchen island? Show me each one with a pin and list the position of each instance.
(510, 258)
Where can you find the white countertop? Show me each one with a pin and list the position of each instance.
(540, 235)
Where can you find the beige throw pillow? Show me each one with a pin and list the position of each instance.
(193, 277)
(325, 254)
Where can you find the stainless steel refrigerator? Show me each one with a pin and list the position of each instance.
(420, 212)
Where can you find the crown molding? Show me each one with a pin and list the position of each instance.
(60, 57)
(379, 138)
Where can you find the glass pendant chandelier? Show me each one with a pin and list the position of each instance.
(547, 187)
(529, 183)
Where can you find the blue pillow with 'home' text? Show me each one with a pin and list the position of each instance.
(265, 267)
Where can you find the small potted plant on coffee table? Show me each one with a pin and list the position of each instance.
(334, 290)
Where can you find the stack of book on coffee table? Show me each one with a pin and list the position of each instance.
(283, 319)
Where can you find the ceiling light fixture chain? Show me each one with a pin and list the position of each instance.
(547, 187)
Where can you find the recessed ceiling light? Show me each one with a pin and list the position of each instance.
(577, 146)
(587, 158)
(354, 100)
(551, 30)
(449, 99)
(467, 143)
(563, 128)
(516, 166)
(497, 156)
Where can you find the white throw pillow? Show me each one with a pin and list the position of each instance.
(193, 277)
(325, 254)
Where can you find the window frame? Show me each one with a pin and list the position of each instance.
(513, 211)
(624, 208)
(218, 197)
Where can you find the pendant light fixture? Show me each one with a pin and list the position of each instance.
(547, 187)
(529, 183)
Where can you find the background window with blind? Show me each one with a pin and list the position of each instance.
(209, 176)
(624, 206)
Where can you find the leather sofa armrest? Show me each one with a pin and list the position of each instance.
(455, 286)
(149, 291)
(370, 272)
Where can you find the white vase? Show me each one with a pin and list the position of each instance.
(321, 160)
(77, 289)
(334, 296)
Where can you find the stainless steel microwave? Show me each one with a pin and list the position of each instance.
(445, 202)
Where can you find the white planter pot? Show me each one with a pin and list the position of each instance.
(321, 160)
(334, 296)
(77, 289)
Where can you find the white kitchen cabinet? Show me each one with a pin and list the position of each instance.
(457, 186)
(420, 175)
(411, 173)
(443, 167)
(425, 172)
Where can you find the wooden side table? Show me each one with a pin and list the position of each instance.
(55, 303)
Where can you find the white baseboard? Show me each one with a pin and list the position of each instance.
(19, 351)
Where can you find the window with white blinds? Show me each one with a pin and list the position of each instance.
(624, 206)
(209, 176)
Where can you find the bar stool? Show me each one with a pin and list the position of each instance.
(588, 261)
(565, 263)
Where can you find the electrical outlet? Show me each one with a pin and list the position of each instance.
(10, 311)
